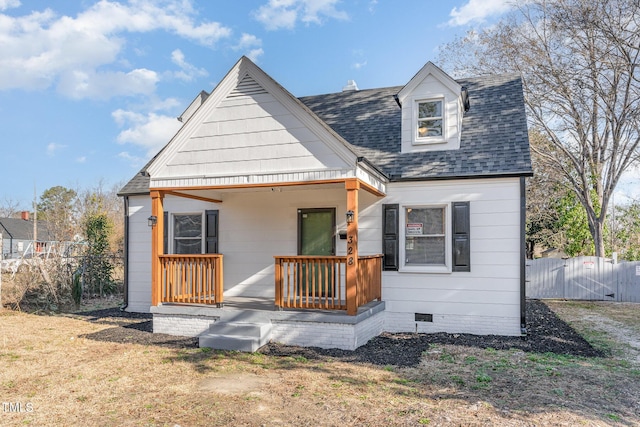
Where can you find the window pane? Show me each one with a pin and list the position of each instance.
(429, 109)
(425, 236)
(429, 128)
(188, 246)
(187, 225)
(431, 220)
(424, 250)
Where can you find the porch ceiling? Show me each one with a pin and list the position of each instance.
(217, 194)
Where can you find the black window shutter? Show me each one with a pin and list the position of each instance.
(211, 246)
(165, 232)
(390, 238)
(461, 236)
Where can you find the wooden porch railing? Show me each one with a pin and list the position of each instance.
(318, 282)
(191, 279)
(369, 279)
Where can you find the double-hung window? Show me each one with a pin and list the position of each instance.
(429, 120)
(187, 233)
(425, 236)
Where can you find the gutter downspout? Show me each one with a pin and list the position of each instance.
(523, 258)
(125, 303)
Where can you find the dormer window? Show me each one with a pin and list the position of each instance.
(429, 119)
(432, 110)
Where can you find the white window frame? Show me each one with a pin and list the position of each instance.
(409, 268)
(172, 234)
(417, 139)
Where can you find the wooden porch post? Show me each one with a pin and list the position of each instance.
(352, 186)
(157, 246)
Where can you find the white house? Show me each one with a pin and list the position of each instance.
(326, 220)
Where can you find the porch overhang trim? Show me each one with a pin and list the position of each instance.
(373, 182)
(191, 196)
(371, 179)
(186, 182)
(178, 190)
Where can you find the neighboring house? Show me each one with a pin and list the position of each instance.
(17, 236)
(398, 209)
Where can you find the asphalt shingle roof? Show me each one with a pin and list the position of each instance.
(494, 136)
(21, 229)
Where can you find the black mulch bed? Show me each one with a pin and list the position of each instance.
(546, 333)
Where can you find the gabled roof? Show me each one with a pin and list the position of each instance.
(426, 70)
(246, 78)
(494, 136)
(20, 229)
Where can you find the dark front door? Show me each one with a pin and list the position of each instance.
(316, 236)
(316, 231)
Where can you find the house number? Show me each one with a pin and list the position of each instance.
(350, 250)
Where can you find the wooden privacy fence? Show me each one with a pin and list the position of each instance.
(193, 279)
(318, 282)
(583, 278)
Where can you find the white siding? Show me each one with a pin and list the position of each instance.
(139, 280)
(459, 301)
(256, 225)
(251, 134)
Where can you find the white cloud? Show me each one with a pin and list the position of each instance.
(478, 11)
(254, 54)
(52, 147)
(358, 65)
(279, 14)
(187, 72)
(9, 4)
(150, 131)
(133, 160)
(359, 59)
(102, 85)
(81, 159)
(251, 45)
(75, 54)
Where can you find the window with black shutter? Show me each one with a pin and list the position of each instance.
(211, 244)
(390, 238)
(460, 227)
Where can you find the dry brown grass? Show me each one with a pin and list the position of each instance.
(59, 378)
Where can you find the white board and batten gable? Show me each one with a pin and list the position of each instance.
(431, 86)
(250, 130)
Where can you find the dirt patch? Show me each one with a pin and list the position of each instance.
(236, 383)
(600, 318)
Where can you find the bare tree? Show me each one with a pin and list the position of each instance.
(579, 62)
(9, 208)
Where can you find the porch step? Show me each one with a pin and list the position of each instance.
(242, 335)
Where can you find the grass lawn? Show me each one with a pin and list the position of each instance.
(53, 376)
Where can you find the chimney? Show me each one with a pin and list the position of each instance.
(351, 86)
(25, 215)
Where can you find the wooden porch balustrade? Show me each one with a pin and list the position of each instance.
(195, 279)
(319, 282)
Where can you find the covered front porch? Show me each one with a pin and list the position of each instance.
(257, 223)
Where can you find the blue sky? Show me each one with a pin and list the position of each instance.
(90, 90)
